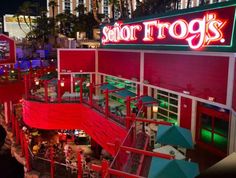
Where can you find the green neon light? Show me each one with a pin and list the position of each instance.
(219, 141)
(206, 136)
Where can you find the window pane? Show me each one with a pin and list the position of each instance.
(206, 122)
(205, 136)
(221, 127)
(173, 101)
(173, 109)
(220, 142)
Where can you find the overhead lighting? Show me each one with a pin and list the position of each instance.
(62, 84)
(155, 108)
(87, 84)
(186, 92)
(36, 82)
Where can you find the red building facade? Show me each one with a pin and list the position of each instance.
(195, 87)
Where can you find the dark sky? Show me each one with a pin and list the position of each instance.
(11, 6)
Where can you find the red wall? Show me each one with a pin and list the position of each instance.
(185, 112)
(76, 60)
(73, 116)
(124, 64)
(11, 91)
(11, 58)
(234, 90)
(202, 76)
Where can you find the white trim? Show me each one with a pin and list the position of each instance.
(194, 119)
(179, 109)
(73, 73)
(58, 64)
(141, 73)
(189, 96)
(71, 84)
(232, 133)
(76, 49)
(197, 53)
(99, 73)
(230, 82)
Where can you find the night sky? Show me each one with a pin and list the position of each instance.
(11, 6)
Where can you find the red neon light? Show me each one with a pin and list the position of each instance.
(197, 33)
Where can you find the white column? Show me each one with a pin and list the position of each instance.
(155, 96)
(232, 133)
(230, 82)
(71, 83)
(194, 119)
(149, 109)
(141, 72)
(179, 109)
(7, 112)
(97, 76)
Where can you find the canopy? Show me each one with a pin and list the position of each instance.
(49, 76)
(147, 100)
(124, 93)
(164, 168)
(174, 135)
(107, 86)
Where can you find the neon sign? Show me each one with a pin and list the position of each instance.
(195, 30)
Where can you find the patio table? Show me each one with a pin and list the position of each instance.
(168, 149)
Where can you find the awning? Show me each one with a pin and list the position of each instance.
(49, 76)
(174, 135)
(147, 100)
(164, 168)
(124, 93)
(107, 86)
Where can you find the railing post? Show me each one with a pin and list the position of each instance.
(22, 142)
(106, 102)
(52, 161)
(13, 124)
(105, 166)
(79, 164)
(17, 131)
(59, 91)
(27, 155)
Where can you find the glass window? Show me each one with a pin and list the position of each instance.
(206, 122)
(168, 106)
(214, 131)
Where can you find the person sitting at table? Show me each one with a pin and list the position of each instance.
(35, 149)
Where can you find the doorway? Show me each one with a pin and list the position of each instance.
(212, 128)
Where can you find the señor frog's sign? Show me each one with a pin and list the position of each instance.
(202, 29)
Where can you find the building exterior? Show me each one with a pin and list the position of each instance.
(17, 29)
(104, 6)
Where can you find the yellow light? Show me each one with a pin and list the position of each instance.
(155, 108)
(62, 84)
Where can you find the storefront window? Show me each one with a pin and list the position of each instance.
(214, 128)
(120, 83)
(168, 106)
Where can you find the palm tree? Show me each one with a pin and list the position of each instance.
(131, 8)
(53, 4)
(95, 11)
(17, 16)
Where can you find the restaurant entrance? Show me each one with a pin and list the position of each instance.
(212, 128)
